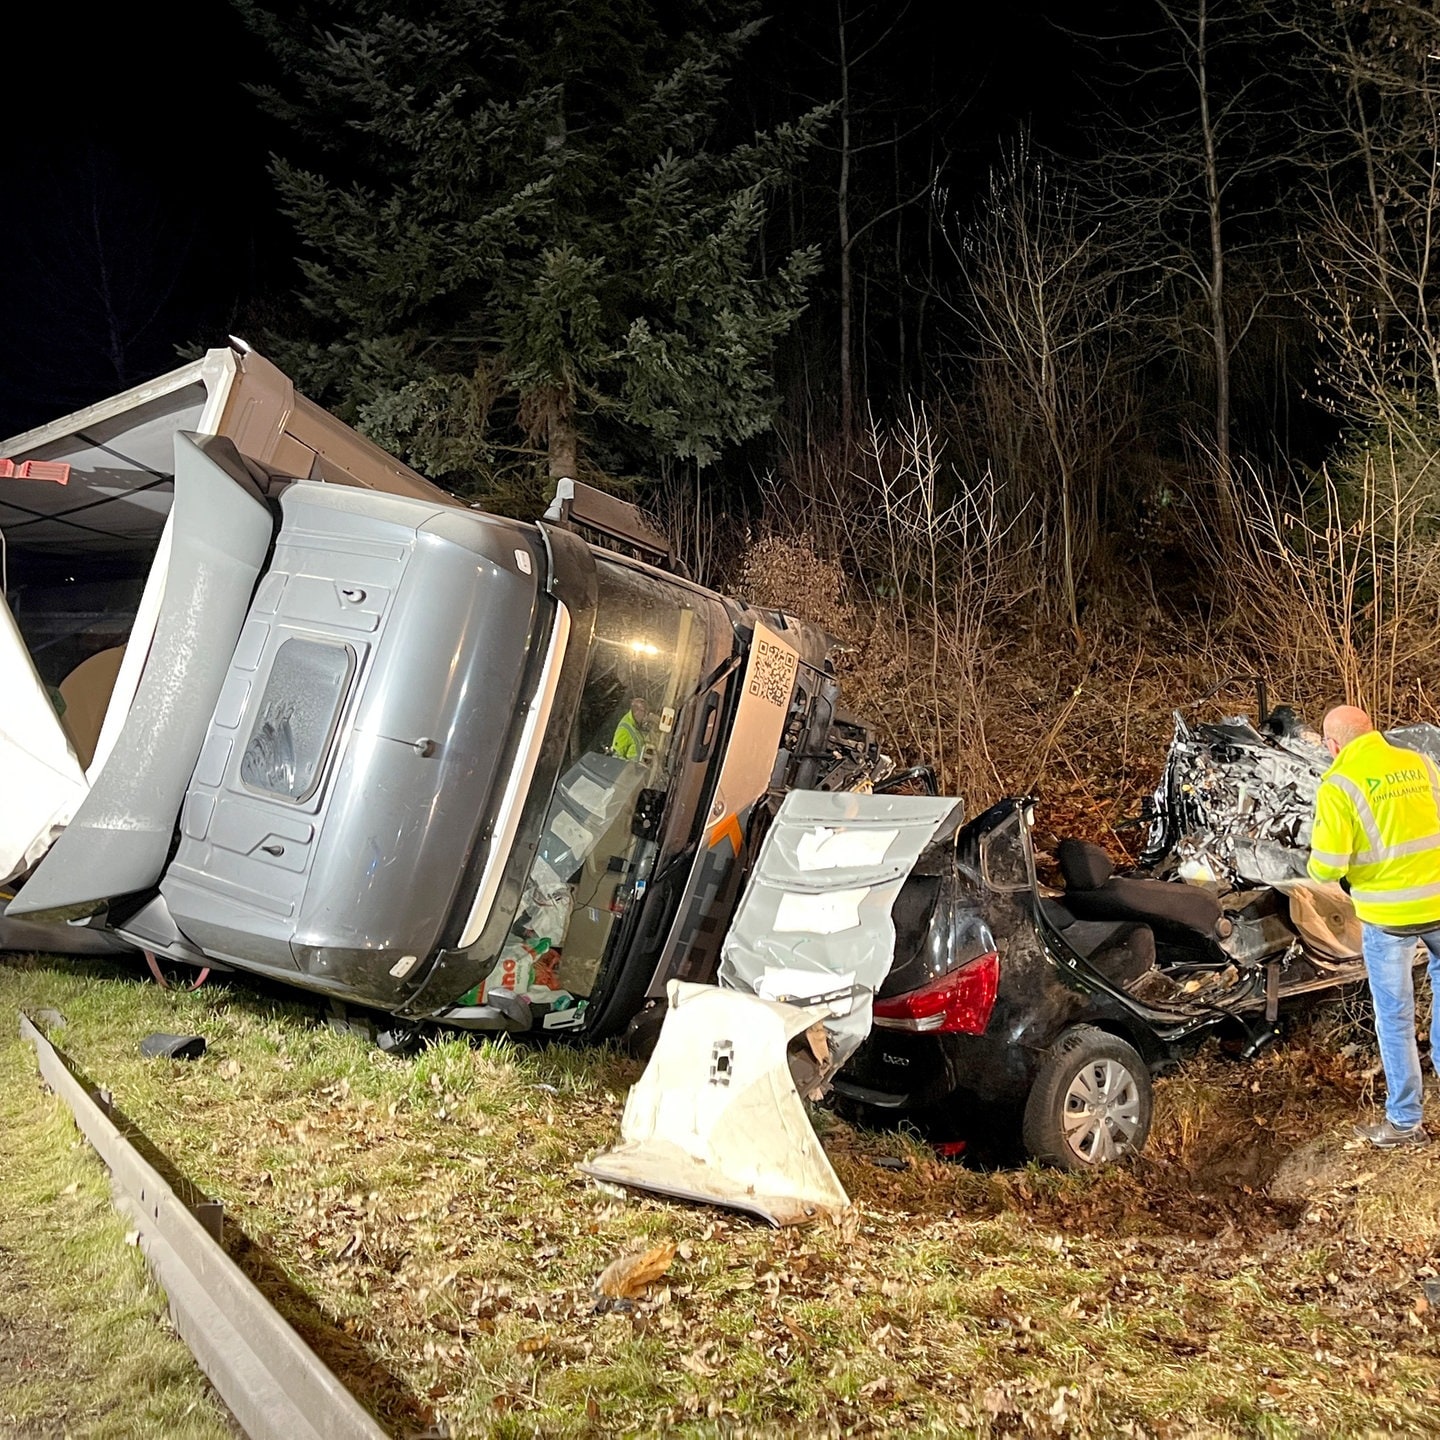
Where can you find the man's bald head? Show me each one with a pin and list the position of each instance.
(1344, 724)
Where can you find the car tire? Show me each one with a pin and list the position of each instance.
(1091, 1101)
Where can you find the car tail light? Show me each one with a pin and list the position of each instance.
(959, 1002)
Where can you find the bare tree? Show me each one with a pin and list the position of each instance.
(1050, 325)
(865, 127)
(893, 103)
(1376, 199)
(1199, 182)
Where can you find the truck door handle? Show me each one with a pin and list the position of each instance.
(705, 729)
(273, 849)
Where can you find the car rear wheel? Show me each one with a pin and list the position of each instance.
(1090, 1104)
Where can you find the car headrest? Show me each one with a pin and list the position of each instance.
(1084, 866)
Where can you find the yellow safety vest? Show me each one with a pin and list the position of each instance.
(1377, 823)
(628, 743)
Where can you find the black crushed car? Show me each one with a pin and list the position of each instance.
(1016, 1010)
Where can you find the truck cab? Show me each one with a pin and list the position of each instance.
(356, 735)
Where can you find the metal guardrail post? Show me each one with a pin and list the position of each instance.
(274, 1384)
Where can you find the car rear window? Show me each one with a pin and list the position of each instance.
(292, 732)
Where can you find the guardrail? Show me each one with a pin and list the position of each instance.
(276, 1387)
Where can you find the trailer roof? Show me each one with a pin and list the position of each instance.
(120, 455)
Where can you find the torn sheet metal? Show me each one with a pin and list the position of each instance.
(1235, 804)
(815, 921)
(716, 1117)
(1238, 803)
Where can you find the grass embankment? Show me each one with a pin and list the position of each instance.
(85, 1345)
(421, 1222)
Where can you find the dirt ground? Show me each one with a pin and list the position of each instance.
(33, 1343)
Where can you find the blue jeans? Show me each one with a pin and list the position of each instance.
(1390, 964)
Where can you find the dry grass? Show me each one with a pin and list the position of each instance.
(1344, 589)
(422, 1222)
(1084, 729)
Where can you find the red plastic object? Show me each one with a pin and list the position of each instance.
(57, 471)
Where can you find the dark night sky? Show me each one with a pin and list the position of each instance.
(141, 160)
(137, 162)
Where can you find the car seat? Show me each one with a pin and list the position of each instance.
(1120, 950)
(1174, 910)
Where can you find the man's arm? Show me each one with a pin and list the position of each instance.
(1332, 838)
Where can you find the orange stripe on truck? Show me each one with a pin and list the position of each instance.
(728, 827)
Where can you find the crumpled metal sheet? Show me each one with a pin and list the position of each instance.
(814, 923)
(716, 1118)
(1247, 798)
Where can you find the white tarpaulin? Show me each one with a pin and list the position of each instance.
(43, 782)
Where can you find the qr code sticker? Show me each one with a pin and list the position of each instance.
(771, 672)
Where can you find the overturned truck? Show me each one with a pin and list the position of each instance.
(277, 703)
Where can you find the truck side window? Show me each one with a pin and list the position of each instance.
(291, 735)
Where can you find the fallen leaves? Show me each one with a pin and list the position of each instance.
(698, 1362)
(461, 1252)
(626, 1277)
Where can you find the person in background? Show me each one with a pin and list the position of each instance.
(629, 741)
(1377, 828)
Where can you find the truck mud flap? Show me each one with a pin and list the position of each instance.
(119, 839)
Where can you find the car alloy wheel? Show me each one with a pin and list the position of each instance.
(1091, 1102)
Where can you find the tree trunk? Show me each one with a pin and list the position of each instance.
(1219, 333)
(561, 439)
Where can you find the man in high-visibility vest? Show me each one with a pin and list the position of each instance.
(1377, 827)
(629, 740)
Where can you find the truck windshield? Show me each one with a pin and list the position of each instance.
(598, 848)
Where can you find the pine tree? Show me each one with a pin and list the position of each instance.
(523, 235)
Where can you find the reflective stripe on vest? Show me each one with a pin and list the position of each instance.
(1378, 850)
(1394, 897)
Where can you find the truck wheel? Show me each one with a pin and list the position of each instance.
(1091, 1101)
